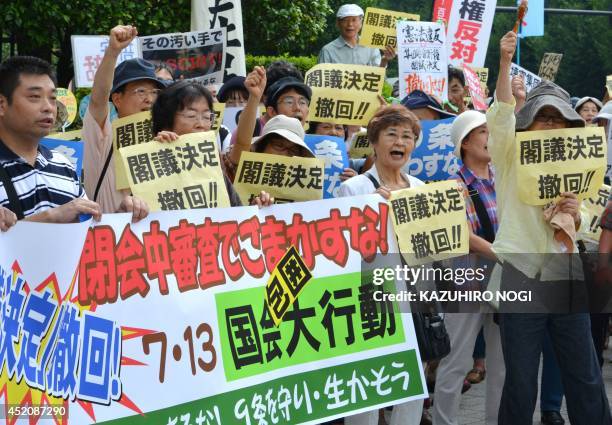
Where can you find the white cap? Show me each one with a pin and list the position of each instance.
(287, 127)
(349, 10)
(463, 124)
(585, 100)
(605, 113)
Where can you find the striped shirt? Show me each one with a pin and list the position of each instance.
(486, 191)
(51, 182)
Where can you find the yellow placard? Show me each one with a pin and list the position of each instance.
(344, 94)
(285, 284)
(430, 222)
(483, 74)
(69, 101)
(609, 85)
(360, 146)
(68, 135)
(287, 179)
(592, 209)
(551, 162)
(379, 27)
(219, 110)
(129, 131)
(184, 174)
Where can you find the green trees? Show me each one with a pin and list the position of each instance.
(301, 27)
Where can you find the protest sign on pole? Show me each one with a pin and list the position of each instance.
(379, 27)
(73, 151)
(433, 157)
(592, 208)
(430, 222)
(287, 179)
(441, 11)
(184, 175)
(332, 150)
(531, 80)
(197, 54)
(87, 54)
(129, 131)
(360, 146)
(344, 94)
(550, 65)
(469, 30)
(422, 58)
(550, 162)
(176, 302)
(475, 87)
(226, 14)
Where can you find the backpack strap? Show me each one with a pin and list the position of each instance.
(11, 193)
(102, 174)
(373, 180)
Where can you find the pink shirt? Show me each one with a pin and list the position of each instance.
(97, 144)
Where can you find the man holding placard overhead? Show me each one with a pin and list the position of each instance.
(534, 246)
(345, 49)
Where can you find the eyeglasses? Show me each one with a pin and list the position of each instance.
(553, 118)
(283, 146)
(302, 102)
(144, 93)
(194, 116)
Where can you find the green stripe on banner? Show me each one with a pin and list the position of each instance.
(316, 395)
(339, 317)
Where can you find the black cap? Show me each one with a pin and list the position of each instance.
(134, 70)
(275, 90)
(234, 83)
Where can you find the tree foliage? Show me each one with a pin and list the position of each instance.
(301, 27)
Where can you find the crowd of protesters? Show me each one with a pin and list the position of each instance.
(38, 184)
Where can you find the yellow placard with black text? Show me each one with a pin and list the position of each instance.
(129, 131)
(360, 146)
(379, 27)
(592, 209)
(184, 174)
(430, 222)
(287, 179)
(344, 94)
(551, 162)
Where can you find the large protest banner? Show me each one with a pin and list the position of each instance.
(226, 14)
(332, 150)
(129, 131)
(197, 54)
(430, 222)
(592, 209)
(287, 179)
(87, 54)
(184, 174)
(344, 94)
(422, 58)
(166, 318)
(550, 65)
(469, 29)
(433, 158)
(550, 162)
(73, 151)
(531, 80)
(379, 27)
